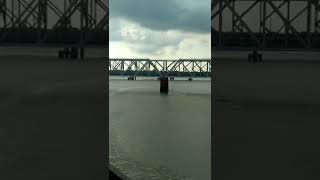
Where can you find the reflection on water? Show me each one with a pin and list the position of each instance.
(156, 136)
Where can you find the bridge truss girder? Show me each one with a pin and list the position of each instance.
(31, 16)
(265, 24)
(147, 67)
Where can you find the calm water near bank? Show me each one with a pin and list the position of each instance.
(155, 136)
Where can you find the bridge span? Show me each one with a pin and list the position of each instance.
(54, 23)
(148, 67)
(277, 25)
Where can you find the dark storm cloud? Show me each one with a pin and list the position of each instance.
(164, 14)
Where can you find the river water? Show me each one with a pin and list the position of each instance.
(156, 136)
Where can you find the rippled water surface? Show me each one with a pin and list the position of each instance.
(155, 136)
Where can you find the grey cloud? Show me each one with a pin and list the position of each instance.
(164, 14)
(114, 28)
(153, 50)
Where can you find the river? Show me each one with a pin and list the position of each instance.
(156, 136)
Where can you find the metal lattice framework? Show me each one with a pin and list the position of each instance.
(265, 24)
(54, 21)
(147, 67)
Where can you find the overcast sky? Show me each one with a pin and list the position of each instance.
(168, 29)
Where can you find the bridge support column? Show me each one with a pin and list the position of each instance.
(255, 57)
(82, 52)
(164, 85)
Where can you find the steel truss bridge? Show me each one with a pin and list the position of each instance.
(148, 67)
(265, 24)
(54, 22)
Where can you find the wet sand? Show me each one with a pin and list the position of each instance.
(267, 120)
(53, 123)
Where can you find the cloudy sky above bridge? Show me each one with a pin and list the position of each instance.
(160, 29)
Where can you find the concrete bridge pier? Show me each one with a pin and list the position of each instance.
(164, 85)
(82, 52)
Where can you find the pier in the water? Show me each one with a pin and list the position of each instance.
(164, 84)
